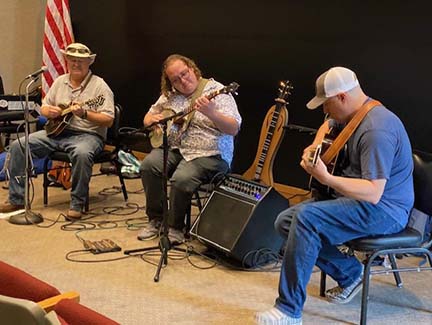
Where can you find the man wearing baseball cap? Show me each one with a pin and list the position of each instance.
(91, 104)
(373, 195)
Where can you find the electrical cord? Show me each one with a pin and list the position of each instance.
(71, 259)
(53, 222)
(263, 260)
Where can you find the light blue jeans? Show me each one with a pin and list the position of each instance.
(185, 177)
(81, 147)
(313, 231)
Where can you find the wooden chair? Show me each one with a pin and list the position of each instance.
(408, 241)
(27, 300)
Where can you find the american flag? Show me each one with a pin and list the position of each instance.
(58, 35)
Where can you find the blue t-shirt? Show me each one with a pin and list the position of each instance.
(380, 149)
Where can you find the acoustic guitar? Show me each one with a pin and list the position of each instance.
(272, 132)
(60, 174)
(333, 144)
(184, 118)
(56, 126)
(334, 166)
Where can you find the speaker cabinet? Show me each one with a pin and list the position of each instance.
(238, 219)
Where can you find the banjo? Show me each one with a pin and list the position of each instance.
(184, 117)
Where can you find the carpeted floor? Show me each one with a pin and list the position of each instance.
(191, 290)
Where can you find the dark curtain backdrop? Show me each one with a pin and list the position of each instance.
(259, 43)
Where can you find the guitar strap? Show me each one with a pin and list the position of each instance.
(347, 131)
(83, 86)
(200, 88)
(86, 82)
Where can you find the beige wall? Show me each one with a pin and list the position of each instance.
(21, 36)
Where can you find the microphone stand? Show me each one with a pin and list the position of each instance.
(300, 128)
(164, 243)
(27, 217)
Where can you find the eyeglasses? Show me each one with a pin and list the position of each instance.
(76, 60)
(75, 50)
(183, 74)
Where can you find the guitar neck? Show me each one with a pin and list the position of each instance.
(271, 135)
(267, 141)
(192, 105)
(66, 111)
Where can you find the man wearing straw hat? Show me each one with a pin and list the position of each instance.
(90, 105)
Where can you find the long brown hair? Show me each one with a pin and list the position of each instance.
(166, 87)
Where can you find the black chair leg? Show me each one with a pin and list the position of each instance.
(198, 200)
(322, 284)
(429, 257)
(188, 221)
(123, 187)
(87, 203)
(121, 179)
(45, 182)
(394, 267)
(7, 140)
(365, 289)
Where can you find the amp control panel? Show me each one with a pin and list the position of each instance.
(245, 188)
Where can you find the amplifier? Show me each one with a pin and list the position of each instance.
(247, 189)
(238, 219)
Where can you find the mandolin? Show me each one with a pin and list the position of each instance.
(184, 118)
(56, 126)
(272, 132)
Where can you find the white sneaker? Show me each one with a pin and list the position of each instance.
(176, 236)
(274, 316)
(338, 295)
(150, 230)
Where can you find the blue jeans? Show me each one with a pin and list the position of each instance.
(81, 147)
(313, 231)
(185, 177)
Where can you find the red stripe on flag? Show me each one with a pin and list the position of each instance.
(58, 35)
(59, 5)
(57, 64)
(68, 25)
(54, 28)
(68, 36)
(47, 76)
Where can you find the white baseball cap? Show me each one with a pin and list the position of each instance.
(332, 82)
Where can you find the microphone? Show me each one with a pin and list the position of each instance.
(37, 73)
